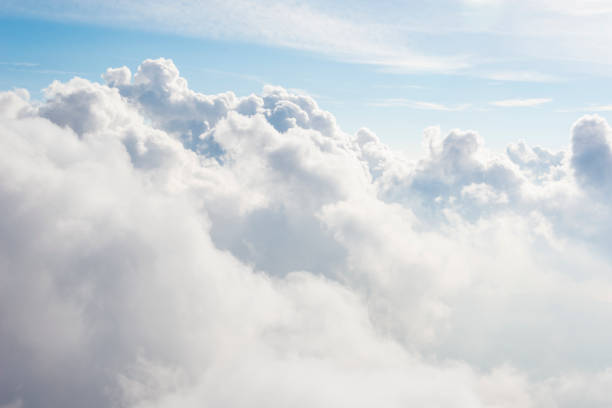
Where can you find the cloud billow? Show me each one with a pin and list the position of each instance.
(162, 248)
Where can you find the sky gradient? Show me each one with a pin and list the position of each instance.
(396, 68)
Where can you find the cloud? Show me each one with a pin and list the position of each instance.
(600, 108)
(594, 108)
(19, 64)
(296, 25)
(402, 102)
(522, 76)
(587, 8)
(592, 152)
(521, 103)
(161, 247)
(535, 161)
(489, 37)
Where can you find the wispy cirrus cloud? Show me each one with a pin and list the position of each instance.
(295, 25)
(18, 64)
(589, 108)
(522, 76)
(520, 103)
(598, 108)
(404, 38)
(407, 103)
(36, 68)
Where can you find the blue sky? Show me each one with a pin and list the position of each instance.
(396, 67)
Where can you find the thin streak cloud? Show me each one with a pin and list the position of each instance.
(521, 103)
(407, 103)
(522, 76)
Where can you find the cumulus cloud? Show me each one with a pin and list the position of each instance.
(592, 152)
(161, 247)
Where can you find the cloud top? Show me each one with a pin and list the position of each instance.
(162, 247)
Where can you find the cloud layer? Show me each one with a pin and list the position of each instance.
(473, 37)
(163, 248)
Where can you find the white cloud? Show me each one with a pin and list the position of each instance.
(19, 64)
(521, 103)
(522, 76)
(162, 248)
(402, 102)
(297, 25)
(584, 8)
(592, 152)
(598, 108)
(402, 37)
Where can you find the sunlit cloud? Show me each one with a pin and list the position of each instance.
(168, 248)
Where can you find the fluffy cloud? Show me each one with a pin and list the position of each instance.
(592, 153)
(162, 247)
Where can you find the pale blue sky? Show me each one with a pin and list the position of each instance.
(510, 70)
